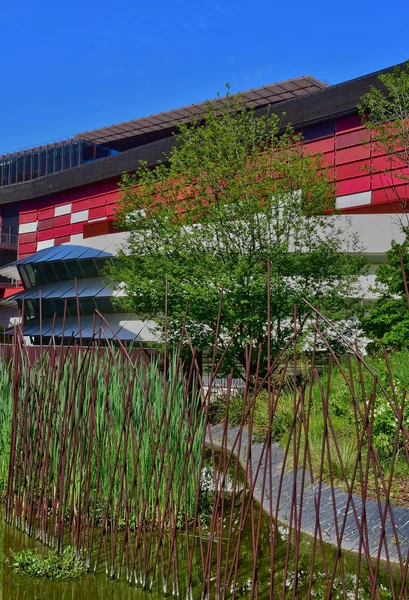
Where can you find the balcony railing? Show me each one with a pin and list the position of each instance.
(8, 238)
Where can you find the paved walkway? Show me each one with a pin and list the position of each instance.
(331, 511)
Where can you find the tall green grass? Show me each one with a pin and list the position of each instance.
(6, 391)
(107, 427)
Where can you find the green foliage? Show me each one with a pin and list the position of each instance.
(101, 387)
(6, 396)
(66, 565)
(387, 323)
(234, 193)
(385, 111)
(341, 411)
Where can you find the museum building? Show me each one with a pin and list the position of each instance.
(57, 203)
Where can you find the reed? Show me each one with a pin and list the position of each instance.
(119, 459)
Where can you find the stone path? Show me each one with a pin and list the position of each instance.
(331, 511)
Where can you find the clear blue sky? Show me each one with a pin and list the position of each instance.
(72, 66)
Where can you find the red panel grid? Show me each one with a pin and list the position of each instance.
(354, 186)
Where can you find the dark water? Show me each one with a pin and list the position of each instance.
(98, 586)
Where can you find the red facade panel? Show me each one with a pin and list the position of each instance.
(47, 234)
(99, 228)
(328, 159)
(354, 138)
(97, 200)
(348, 123)
(390, 195)
(111, 210)
(97, 212)
(381, 180)
(113, 197)
(352, 154)
(62, 220)
(27, 249)
(320, 146)
(27, 238)
(46, 224)
(28, 217)
(45, 213)
(63, 231)
(76, 228)
(386, 163)
(358, 168)
(79, 205)
(354, 186)
(62, 240)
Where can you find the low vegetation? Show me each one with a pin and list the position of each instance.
(346, 422)
(65, 565)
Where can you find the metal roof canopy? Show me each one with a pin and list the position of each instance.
(118, 136)
(90, 287)
(124, 326)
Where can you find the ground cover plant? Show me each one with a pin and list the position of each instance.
(58, 566)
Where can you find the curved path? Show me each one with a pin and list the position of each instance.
(330, 504)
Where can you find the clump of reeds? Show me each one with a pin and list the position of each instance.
(106, 456)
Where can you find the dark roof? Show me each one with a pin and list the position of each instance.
(123, 136)
(321, 105)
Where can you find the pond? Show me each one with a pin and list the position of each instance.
(99, 586)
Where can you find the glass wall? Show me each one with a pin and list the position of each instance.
(31, 164)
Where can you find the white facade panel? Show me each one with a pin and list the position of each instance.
(75, 238)
(45, 244)
(351, 200)
(63, 209)
(28, 227)
(80, 216)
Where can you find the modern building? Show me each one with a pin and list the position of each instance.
(60, 199)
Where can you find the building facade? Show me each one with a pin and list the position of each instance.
(59, 200)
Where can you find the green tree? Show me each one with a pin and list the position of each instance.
(388, 322)
(234, 192)
(385, 112)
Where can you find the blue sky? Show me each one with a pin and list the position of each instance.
(68, 67)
